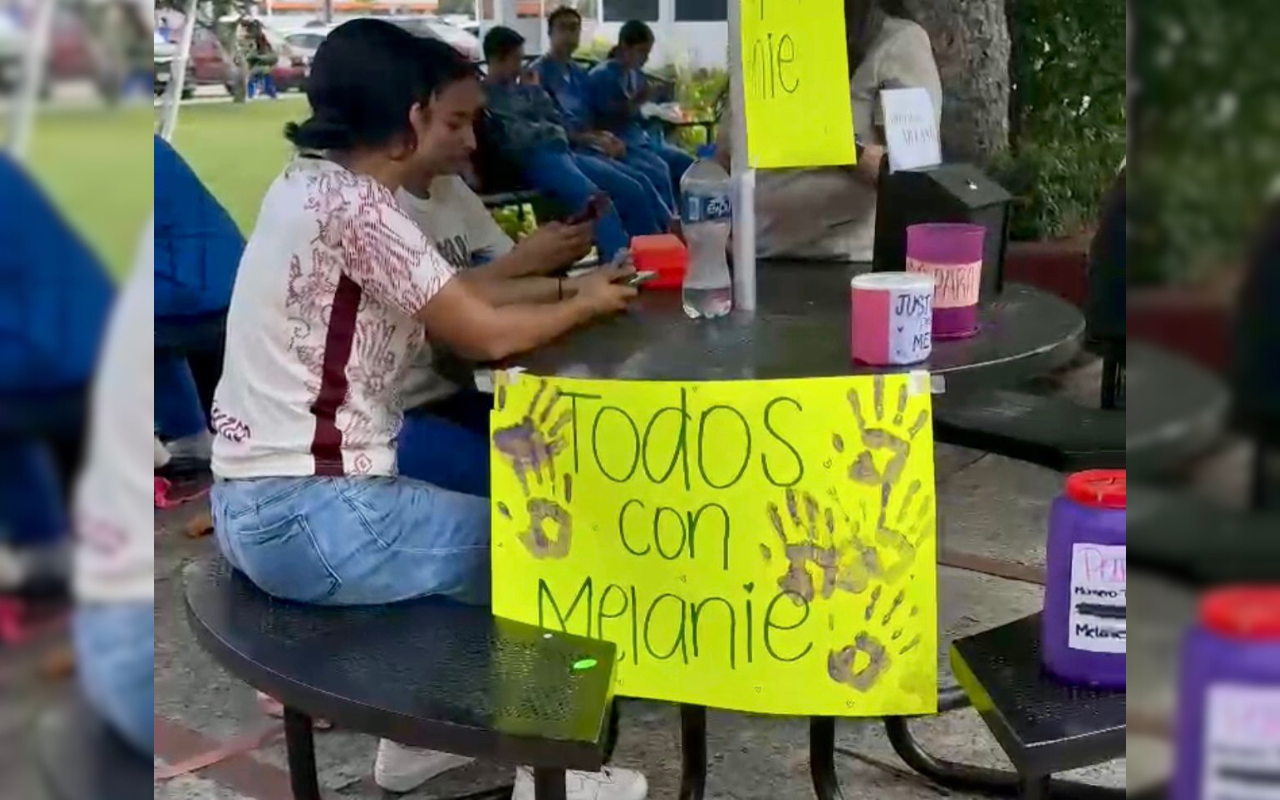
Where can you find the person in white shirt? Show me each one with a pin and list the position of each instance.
(114, 628)
(444, 440)
(829, 213)
(334, 294)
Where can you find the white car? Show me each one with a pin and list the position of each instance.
(436, 28)
(12, 47)
(304, 41)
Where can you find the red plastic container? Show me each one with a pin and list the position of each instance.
(664, 254)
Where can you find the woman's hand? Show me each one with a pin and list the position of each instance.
(600, 290)
(612, 146)
(869, 163)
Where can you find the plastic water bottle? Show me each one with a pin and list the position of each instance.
(707, 216)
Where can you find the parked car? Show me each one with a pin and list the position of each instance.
(304, 42)
(12, 48)
(164, 53)
(306, 39)
(212, 64)
(436, 28)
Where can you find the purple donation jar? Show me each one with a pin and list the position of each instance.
(952, 253)
(1083, 638)
(1228, 729)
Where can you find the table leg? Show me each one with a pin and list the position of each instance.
(968, 778)
(301, 749)
(693, 752)
(548, 784)
(1034, 788)
(953, 775)
(822, 758)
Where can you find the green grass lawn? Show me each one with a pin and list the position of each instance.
(97, 165)
(237, 150)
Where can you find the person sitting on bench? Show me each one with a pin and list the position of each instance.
(335, 292)
(531, 131)
(618, 88)
(445, 436)
(198, 249)
(569, 85)
(114, 627)
(54, 308)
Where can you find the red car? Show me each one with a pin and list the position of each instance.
(212, 64)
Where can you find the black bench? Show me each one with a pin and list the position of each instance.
(1201, 544)
(427, 673)
(1181, 411)
(1045, 727)
(83, 759)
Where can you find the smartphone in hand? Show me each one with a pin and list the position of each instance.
(592, 211)
(637, 279)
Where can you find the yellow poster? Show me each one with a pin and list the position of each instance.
(764, 546)
(795, 73)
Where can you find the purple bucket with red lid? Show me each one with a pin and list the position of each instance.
(1228, 728)
(1085, 599)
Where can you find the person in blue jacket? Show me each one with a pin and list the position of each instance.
(618, 88)
(569, 85)
(197, 253)
(53, 312)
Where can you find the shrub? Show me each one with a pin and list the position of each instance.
(1068, 113)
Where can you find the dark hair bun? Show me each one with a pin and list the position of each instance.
(318, 134)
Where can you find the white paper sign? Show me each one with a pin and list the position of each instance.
(1242, 743)
(1098, 598)
(910, 129)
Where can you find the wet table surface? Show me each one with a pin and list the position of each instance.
(801, 330)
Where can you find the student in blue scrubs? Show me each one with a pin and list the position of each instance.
(197, 253)
(618, 89)
(569, 85)
(53, 312)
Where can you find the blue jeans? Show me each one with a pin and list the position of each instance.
(32, 508)
(556, 172)
(188, 363)
(677, 161)
(115, 653)
(634, 196)
(650, 164)
(262, 83)
(354, 541)
(446, 443)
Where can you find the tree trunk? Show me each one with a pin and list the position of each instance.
(971, 44)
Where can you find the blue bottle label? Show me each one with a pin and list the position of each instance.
(707, 208)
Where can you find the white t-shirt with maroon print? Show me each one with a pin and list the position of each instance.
(321, 328)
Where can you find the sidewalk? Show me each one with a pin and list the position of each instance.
(988, 506)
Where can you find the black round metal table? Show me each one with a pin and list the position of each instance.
(801, 330)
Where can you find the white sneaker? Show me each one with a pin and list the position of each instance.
(610, 784)
(400, 768)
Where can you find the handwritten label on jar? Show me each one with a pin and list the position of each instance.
(955, 285)
(1098, 599)
(1242, 743)
(911, 326)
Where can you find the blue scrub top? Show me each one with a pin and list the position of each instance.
(611, 88)
(56, 294)
(198, 245)
(570, 86)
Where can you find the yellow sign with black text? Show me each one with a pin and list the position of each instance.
(795, 78)
(763, 546)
